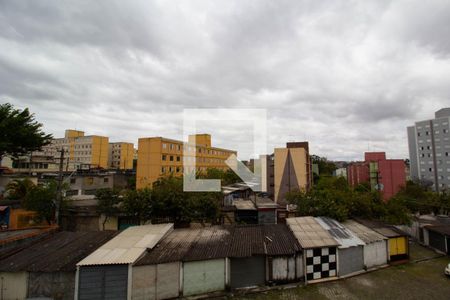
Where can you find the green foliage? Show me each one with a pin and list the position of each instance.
(332, 197)
(326, 167)
(41, 199)
(108, 201)
(226, 177)
(138, 204)
(20, 133)
(18, 189)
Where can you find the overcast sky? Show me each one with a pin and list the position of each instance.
(347, 76)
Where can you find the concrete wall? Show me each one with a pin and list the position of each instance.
(375, 254)
(14, 285)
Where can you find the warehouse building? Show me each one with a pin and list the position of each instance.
(319, 248)
(107, 272)
(350, 251)
(46, 269)
(375, 247)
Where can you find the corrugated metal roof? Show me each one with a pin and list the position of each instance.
(364, 233)
(128, 246)
(222, 241)
(309, 233)
(383, 229)
(57, 252)
(212, 242)
(341, 234)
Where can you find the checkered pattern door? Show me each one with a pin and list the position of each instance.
(321, 263)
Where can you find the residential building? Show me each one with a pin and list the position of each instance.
(385, 175)
(159, 156)
(80, 151)
(121, 155)
(429, 150)
(292, 170)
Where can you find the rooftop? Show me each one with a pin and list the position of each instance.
(342, 235)
(128, 246)
(309, 233)
(58, 252)
(364, 233)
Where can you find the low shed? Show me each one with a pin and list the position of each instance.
(47, 267)
(398, 247)
(439, 237)
(350, 250)
(107, 273)
(319, 248)
(375, 248)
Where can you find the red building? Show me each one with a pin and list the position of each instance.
(385, 175)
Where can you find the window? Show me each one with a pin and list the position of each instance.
(164, 145)
(430, 169)
(171, 146)
(445, 130)
(178, 169)
(73, 180)
(106, 179)
(163, 169)
(171, 158)
(163, 157)
(446, 153)
(427, 133)
(178, 158)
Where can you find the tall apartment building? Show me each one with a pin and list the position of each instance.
(429, 150)
(292, 170)
(121, 155)
(159, 156)
(385, 175)
(81, 150)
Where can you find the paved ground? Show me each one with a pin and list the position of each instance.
(415, 280)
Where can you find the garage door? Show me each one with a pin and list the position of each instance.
(321, 263)
(200, 277)
(249, 271)
(437, 240)
(350, 260)
(103, 282)
(398, 247)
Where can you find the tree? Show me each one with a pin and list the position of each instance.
(137, 204)
(18, 189)
(41, 199)
(20, 133)
(108, 201)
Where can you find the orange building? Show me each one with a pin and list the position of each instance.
(158, 156)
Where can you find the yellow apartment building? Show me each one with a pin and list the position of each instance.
(159, 156)
(91, 150)
(292, 170)
(121, 155)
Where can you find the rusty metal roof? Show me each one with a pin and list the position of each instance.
(363, 232)
(58, 252)
(128, 246)
(309, 233)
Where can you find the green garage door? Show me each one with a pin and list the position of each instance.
(249, 271)
(200, 277)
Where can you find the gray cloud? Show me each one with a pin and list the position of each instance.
(348, 76)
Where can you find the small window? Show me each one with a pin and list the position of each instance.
(106, 179)
(427, 133)
(73, 180)
(163, 157)
(171, 158)
(163, 169)
(178, 158)
(164, 145)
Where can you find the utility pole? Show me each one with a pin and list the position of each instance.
(59, 188)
